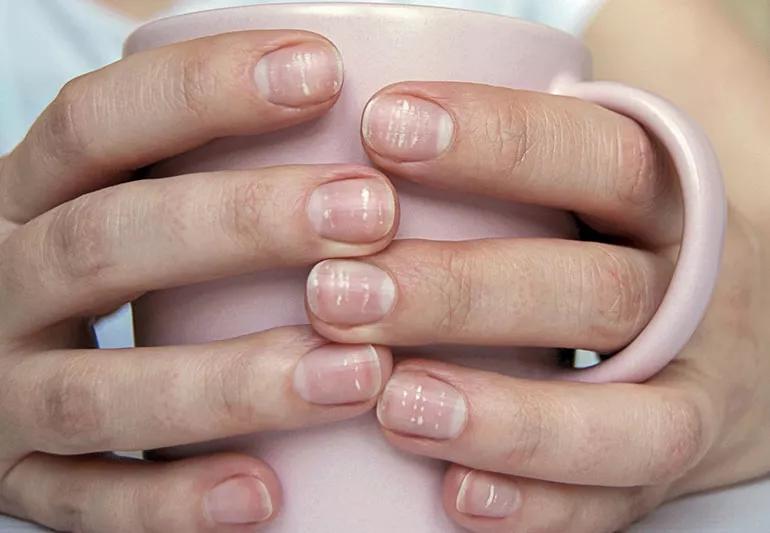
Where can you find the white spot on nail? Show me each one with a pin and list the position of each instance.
(365, 198)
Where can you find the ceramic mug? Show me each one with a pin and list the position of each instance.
(344, 477)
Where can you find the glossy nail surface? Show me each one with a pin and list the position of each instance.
(406, 128)
(356, 210)
(303, 74)
(423, 406)
(347, 292)
(488, 495)
(238, 500)
(338, 374)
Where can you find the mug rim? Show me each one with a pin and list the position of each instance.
(130, 46)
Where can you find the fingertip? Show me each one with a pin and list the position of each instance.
(235, 489)
(342, 374)
(450, 488)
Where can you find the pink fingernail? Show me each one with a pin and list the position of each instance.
(308, 73)
(406, 128)
(349, 292)
(423, 406)
(238, 500)
(352, 210)
(337, 374)
(488, 495)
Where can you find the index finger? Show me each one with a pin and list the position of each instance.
(527, 147)
(162, 102)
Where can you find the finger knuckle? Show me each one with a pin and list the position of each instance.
(245, 215)
(196, 83)
(641, 181)
(681, 439)
(66, 122)
(618, 291)
(232, 390)
(69, 412)
(80, 239)
(639, 501)
(151, 516)
(505, 131)
(526, 433)
(66, 503)
(456, 290)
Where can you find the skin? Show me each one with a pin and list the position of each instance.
(77, 240)
(701, 423)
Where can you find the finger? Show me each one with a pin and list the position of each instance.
(109, 246)
(82, 401)
(527, 147)
(612, 434)
(526, 292)
(162, 102)
(485, 502)
(226, 493)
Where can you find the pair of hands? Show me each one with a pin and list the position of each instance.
(79, 239)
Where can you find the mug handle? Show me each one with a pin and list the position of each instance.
(705, 213)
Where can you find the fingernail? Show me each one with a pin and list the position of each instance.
(422, 406)
(352, 210)
(238, 500)
(406, 128)
(336, 374)
(349, 292)
(307, 73)
(487, 495)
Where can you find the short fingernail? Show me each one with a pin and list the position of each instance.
(238, 500)
(337, 374)
(308, 73)
(423, 406)
(357, 210)
(406, 128)
(488, 495)
(349, 292)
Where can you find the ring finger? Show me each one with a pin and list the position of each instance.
(83, 401)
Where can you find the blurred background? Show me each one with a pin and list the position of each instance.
(754, 16)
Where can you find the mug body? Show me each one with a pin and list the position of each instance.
(345, 477)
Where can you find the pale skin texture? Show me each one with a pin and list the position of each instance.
(702, 423)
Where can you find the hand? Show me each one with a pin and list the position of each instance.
(552, 456)
(77, 240)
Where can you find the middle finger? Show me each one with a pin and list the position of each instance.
(109, 246)
(498, 292)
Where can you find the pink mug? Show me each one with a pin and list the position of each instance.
(344, 477)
